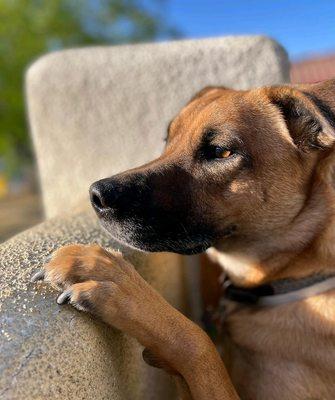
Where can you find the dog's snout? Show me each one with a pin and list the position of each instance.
(103, 195)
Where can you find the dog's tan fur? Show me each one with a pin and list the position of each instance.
(286, 216)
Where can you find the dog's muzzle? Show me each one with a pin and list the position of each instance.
(151, 211)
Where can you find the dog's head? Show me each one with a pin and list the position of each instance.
(237, 164)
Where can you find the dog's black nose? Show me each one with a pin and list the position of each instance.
(103, 194)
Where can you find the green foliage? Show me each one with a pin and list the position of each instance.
(29, 28)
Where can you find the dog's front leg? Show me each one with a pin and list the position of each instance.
(105, 284)
(208, 381)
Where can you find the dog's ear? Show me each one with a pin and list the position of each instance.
(304, 113)
(208, 90)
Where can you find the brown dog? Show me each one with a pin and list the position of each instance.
(248, 174)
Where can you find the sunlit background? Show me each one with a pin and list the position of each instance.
(30, 28)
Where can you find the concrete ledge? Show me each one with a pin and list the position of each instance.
(49, 352)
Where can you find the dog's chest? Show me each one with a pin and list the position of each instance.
(257, 376)
(289, 349)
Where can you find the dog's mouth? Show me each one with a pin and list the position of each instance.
(147, 223)
(170, 247)
(144, 238)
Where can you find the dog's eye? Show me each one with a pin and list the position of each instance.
(221, 152)
(212, 153)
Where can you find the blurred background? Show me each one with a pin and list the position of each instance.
(30, 28)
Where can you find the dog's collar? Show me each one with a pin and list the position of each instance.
(269, 295)
(279, 292)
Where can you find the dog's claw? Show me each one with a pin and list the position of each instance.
(64, 297)
(38, 276)
(48, 258)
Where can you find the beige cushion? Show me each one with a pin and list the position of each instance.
(97, 111)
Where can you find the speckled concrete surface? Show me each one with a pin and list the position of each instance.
(53, 352)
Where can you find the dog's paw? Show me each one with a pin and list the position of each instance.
(79, 263)
(99, 281)
(80, 296)
(98, 298)
(104, 284)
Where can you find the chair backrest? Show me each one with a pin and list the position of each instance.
(96, 111)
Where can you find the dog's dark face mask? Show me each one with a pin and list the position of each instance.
(232, 169)
(154, 209)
